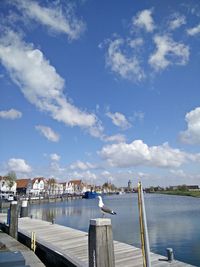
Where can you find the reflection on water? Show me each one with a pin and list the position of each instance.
(172, 221)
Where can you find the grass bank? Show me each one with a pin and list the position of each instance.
(181, 193)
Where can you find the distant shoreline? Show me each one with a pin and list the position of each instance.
(180, 193)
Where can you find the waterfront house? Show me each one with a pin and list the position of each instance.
(75, 187)
(193, 187)
(38, 186)
(60, 189)
(5, 186)
(52, 187)
(57, 189)
(68, 188)
(65, 187)
(23, 186)
(185, 187)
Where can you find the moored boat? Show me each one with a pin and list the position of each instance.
(90, 194)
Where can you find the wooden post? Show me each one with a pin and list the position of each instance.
(24, 209)
(13, 227)
(33, 241)
(143, 228)
(101, 248)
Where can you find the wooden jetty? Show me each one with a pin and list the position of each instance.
(39, 200)
(72, 245)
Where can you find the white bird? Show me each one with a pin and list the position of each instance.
(103, 208)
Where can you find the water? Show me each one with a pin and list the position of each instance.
(173, 221)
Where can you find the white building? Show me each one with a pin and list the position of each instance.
(6, 189)
(38, 186)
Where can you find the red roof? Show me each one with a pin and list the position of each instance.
(76, 182)
(22, 183)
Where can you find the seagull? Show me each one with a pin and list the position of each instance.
(103, 208)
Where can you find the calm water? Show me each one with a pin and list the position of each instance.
(172, 221)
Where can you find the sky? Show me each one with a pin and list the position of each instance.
(103, 91)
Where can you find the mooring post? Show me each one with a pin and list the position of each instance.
(8, 216)
(24, 209)
(170, 254)
(13, 226)
(100, 243)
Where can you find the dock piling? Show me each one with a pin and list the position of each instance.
(101, 248)
(170, 254)
(24, 209)
(13, 220)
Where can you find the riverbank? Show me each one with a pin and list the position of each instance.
(180, 193)
(40, 200)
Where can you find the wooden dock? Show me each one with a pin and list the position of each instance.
(72, 245)
(13, 245)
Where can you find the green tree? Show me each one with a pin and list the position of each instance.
(11, 178)
(109, 186)
(105, 185)
(183, 187)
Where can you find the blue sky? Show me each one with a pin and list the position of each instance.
(101, 90)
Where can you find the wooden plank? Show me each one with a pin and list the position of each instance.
(121, 256)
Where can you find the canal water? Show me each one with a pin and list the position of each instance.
(173, 221)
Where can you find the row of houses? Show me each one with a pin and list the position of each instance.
(42, 186)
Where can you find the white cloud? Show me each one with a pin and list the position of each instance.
(127, 67)
(194, 31)
(144, 20)
(179, 173)
(81, 165)
(96, 130)
(138, 115)
(119, 120)
(55, 157)
(117, 138)
(18, 165)
(176, 21)
(53, 17)
(48, 133)
(138, 153)
(136, 43)
(85, 176)
(40, 83)
(105, 173)
(11, 114)
(107, 176)
(168, 52)
(131, 57)
(192, 134)
(56, 169)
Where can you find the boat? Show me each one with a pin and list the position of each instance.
(120, 193)
(90, 195)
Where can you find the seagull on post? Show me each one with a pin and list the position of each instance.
(103, 208)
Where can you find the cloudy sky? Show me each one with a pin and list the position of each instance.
(101, 90)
